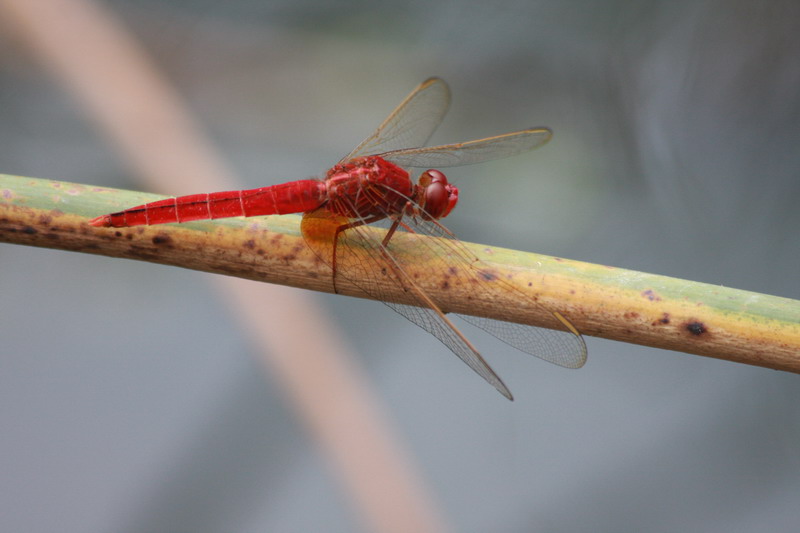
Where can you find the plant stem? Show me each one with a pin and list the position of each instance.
(601, 301)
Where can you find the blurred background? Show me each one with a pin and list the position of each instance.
(133, 400)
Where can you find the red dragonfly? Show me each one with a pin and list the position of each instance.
(371, 184)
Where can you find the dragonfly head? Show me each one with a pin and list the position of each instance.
(435, 195)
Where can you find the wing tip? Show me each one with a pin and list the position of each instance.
(505, 392)
(496, 382)
(543, 131)
(434, 80)
(581, 361)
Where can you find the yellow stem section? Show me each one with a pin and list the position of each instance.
(601, 301)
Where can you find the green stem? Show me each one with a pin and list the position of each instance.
(601, 301)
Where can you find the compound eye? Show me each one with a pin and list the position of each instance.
(434, 176)
(439, 197)
(435, 199)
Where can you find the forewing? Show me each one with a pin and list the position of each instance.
(412, 123)
(564, 348)
(432, 320)
(374, 268)
(364, 261)
(471, 152)
(446, 258)
(559, 343)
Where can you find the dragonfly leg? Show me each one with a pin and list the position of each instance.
(390, 232)
(397, 222)
(340, 230)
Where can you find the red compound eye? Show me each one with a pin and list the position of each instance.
(438, 196)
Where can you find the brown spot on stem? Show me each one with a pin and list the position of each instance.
(487, 276)
(250, 244)
(651, 295)
(695, 327)
(162, 238)
(663, 321)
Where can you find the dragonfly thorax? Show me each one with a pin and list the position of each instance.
(367, 187)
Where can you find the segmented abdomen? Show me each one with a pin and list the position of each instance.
(294, 197)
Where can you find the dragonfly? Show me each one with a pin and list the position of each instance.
(373, 185)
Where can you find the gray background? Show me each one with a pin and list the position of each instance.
(130, 401)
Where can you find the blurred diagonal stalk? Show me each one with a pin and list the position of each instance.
(614, 303)
(90, 52)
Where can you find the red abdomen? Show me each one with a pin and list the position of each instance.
(294, 197)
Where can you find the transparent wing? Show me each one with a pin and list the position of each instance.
(559, 342)
(438, 258)
(563, 348)
(363, 260)
(412, 123)
(435, 322)
(471, 152)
